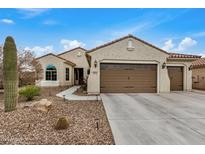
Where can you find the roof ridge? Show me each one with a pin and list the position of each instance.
(72, 50)
(124, 37)
(71, 63)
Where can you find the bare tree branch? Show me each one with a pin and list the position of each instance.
(28, 67)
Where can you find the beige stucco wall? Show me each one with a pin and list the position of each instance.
(60, 66)
(143, 53)
(198, 78)
(78, 57)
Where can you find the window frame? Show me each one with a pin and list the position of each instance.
(51, 74)
(67, 73)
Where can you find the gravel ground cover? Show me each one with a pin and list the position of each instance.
(26, 125)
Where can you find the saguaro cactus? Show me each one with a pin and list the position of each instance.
(10, 74)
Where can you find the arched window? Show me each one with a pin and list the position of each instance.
(51, 73)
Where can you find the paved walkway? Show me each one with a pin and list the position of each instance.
(166, 118)
(198, 91)
(68, 94)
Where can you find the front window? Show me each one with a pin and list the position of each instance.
(67, 74)
(51, 73)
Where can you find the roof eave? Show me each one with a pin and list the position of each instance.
(184, 59)
(51, 54)
(44, 56)
(198, 67)
(71, 64)
(125, 37)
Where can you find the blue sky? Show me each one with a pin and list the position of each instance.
(57, 30)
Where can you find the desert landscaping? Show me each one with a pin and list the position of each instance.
(30, 125)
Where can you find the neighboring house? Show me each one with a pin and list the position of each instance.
(128, 64)
(198, 74)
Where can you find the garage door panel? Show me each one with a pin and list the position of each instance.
(176, 78)
(128, 78)
(126, 71)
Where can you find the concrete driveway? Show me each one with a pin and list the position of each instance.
(168, 118)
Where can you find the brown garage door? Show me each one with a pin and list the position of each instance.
(176, 78)
(128, 78)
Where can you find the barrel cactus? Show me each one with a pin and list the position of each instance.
(10, 74)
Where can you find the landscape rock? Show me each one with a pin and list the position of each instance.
(43, 105)
(29, 126)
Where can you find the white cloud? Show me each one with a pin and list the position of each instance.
(202, 54)
(31, 12)
(49, 22)
(129, 30)
(168, 45)
(186, 43)
(199, 34)
(40, 50)
(70, 44)
(7, 21)
(143, 23)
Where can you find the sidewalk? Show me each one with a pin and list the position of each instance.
(68, 94)
(198, 91)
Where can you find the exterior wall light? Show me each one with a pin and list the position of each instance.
(190, 67)
(95, 63)
(163, 65)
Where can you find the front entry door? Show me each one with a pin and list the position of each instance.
(79, 76)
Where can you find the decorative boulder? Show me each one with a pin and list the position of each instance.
(62, 123)
(43, 105)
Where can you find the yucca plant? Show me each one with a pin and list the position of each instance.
(10, 74)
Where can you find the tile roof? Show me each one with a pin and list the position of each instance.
(200, 63)
(178, 55)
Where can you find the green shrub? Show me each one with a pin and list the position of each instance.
(29, 92)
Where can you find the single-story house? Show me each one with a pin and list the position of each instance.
(127, 64)
(198, 74)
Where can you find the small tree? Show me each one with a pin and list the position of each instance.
(28, 67)
(10, 74)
